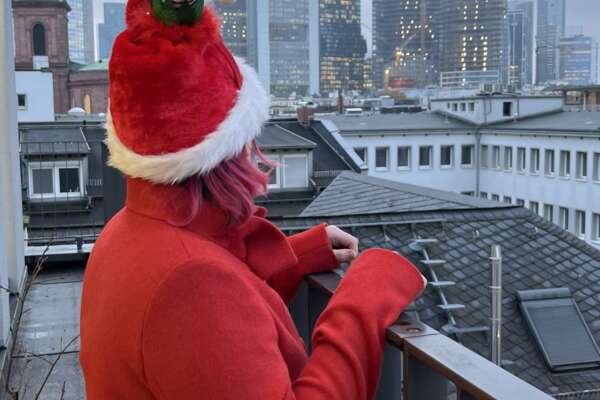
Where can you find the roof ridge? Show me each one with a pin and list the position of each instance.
(451, 197)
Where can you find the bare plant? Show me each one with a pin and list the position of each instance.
(11, 391)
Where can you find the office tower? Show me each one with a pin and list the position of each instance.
(342, 47)
(114, 23)
(474, 42)
(578, 60)
(520, 49)
(550, 28)
(406, 42)
(81, 31)
(234, 25)
(290, 38)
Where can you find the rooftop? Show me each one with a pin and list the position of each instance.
(351, 194)
(376, 123)
(537, 255)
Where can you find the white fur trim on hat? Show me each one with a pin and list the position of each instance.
(242, 124)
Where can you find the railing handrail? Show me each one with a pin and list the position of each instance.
(473, 375)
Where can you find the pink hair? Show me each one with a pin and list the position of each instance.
(232, 186)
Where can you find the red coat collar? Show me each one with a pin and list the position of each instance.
(259, 243)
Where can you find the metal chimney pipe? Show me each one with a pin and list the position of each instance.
(496, 303)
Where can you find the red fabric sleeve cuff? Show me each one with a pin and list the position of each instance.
(313, 249)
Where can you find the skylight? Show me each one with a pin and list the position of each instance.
(559, 329)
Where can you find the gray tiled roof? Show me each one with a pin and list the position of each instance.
(61, 140)
(537, 254)
(352, 193)
(274, 136)
(396, 122)
(561, 121)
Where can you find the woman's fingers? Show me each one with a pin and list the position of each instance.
(342, 240)
(344, 255)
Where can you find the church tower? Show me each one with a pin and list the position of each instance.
(41, 41)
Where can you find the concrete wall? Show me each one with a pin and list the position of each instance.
(39, 89)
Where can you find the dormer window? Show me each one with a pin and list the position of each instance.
(56, 180)
(291, 171)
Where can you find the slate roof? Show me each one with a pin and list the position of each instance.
(565, 121)
(275, 136)
(351, 193)
(59, 140)
(378, 123)
(536, 254)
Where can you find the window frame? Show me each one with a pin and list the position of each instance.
(365, 161)
(581, 171)
(484, 156)
(430, 165)
(534, 204)
(409, 158)
(287, 156)
(547, 172)
(496, 157)
(534, 161)
(580, 223)
(596, 166)
(521, 166)
(447, 146)
(387, 158)
(471, 153)
(55, 166)
(563, 218)
(564, 167)
(26, 103)
(508, 156)
(551, 208)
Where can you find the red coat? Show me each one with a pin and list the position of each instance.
(196, 312)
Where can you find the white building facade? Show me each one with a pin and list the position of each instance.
(528, 153)
(35, 96)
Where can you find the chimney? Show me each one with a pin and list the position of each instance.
(340, 102)
(496, 305)
(305, 113)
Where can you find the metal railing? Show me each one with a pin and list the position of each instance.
(419, 362)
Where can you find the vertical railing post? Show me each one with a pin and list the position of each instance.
(390, 384)
(317, 301)
(11, 215)
(421, 382)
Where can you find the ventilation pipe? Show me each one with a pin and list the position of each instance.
(496, 303)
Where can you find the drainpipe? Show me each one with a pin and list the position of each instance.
(11, 228)
(496, 304)
(477, 162)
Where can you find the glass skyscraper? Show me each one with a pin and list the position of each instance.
(474, 39)
(520, 51)
(406, 43)
(114, 23)
(342, 47)
(234, 25)
(551, 18)
(81, 31)
(578, 60)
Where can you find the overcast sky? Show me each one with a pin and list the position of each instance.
(579, 12)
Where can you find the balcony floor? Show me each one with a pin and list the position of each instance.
(50, 321)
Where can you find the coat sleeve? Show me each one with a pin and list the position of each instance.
(209, 334)
(314, 253)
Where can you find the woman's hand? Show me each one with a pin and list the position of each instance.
(344, 245)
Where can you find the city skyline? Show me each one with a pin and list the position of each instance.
(579, 12)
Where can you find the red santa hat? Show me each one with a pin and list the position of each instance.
(180, 103)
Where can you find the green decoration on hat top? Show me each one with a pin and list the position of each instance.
(171, 12)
